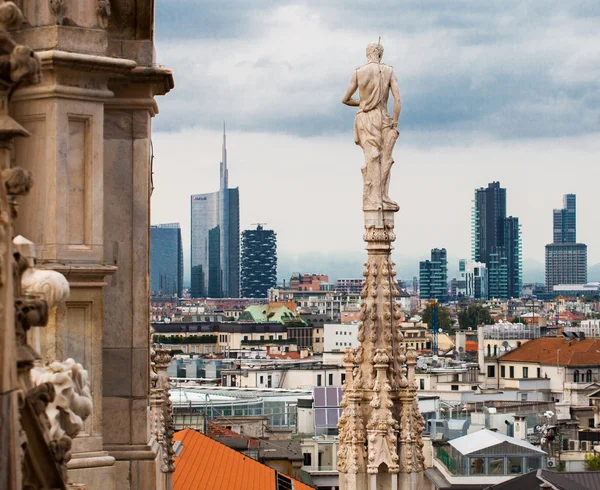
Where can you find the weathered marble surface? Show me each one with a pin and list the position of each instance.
(375, 131)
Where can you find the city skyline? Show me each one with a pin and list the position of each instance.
(488, 94)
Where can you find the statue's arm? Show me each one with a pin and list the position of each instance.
(396, 95)
(347, 99)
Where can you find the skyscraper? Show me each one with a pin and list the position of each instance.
(215, 236)
(166, 260)
(433, 278)
(496, 241)
(565, 226)
(566, 260)
(259, 262)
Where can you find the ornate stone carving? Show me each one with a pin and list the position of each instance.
(161, 406)
(380, 428)
(375, 131)
(72, 403)
(51, 286)
(103, 11)
(58, 9)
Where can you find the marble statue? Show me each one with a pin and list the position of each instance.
(375, 131)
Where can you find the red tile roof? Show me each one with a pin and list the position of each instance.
(205, 463)
(555, 350)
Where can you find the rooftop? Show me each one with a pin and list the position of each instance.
(204, 463)
(557, 351)
(483, 439)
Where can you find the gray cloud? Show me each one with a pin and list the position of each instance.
(510, 68)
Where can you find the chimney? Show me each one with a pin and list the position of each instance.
(520, 427)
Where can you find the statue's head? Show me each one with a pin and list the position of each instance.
(374, 52)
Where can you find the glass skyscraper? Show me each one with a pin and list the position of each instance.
(259, 262)
(565, 221)
(215, 239)
(166, 260)
(496, 241)
(566, 260)
(433, 278)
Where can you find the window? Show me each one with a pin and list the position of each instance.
(588, 376)
(503, 371)
(422, 383)
(261, 379)
(591, 423)
(245, 337)
(489, 349)
(262, 337)
(270, 337)
(515, 466)
(280, 337)
(454, 387)
(511, 371)
(269, 381)
(343, 378)
(491, 371)
(576, 376)
(318, 380)
(495, 351)
(523, 397)
(539, 372)
(525, 372)
(330, 379)
(307, 459)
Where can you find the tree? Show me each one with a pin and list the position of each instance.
(444, 320)
(518, 319)
(592, 462)
(474, 315)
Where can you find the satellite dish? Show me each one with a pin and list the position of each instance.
(440, 330)
(502, 348)
(461, 349)
(469, 356)
(420, 364)
(505, 343)
(434, 363)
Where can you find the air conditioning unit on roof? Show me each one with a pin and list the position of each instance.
(551, 462)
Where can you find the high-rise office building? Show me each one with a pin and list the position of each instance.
(566, 263)
(259, 262)
(566, 260)
(496, 241)
(215, 237)
(166, 260)
(565, 221)
(433, 276)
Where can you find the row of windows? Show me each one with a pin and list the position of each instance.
(578, 376)
(342, 344)
(341, 332)
(262, 337)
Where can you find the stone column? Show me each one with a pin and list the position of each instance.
(64, 216)
(126, 351)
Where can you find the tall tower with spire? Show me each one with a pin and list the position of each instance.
(215, 238)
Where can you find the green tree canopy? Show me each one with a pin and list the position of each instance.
(474, 315)
(444, 320)
(592, 462)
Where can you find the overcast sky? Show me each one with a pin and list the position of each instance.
(497, 90)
